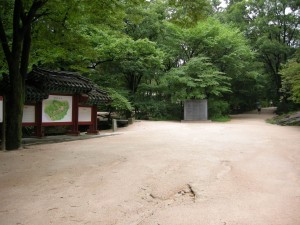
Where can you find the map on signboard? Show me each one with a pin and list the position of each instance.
(56, 110)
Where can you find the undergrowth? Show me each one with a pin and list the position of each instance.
(221, 119)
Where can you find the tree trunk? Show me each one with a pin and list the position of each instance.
(18, 60)
(15, 95)
(14, 109)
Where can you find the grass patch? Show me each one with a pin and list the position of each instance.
(271, 120)
(221, 119)
(276, 119)
(288, 119)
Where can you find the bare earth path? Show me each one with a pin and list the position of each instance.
(244, 172)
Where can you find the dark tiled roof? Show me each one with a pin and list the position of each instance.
(62, 81)
(46, 81)
(34, 94)
(40, 83)
(97, 96)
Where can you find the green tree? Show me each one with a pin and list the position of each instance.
(16, 21)
(56, 30)
(187, 13)
(119, 104)
(223, 46)
(71, 36)
(145, 21)
(230, 52)
(129, 62)
(272, 27)
(197, 79)
(291, 79)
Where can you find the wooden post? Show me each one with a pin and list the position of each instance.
(75, 109)
(38, 119)
(3, 147)
(93, 127)
(114, 125)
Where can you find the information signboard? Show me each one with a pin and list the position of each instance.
(195, 110)
(85, 114)
(28, 114)
(56, 109)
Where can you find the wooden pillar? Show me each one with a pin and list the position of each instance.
(75, 108)
(3, 147)
(38, 119)
(93, 127)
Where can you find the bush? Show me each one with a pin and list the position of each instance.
(119, 105)
(217, 109)
(286, 106)
(158, 110)
(289, 119)
(221, 119)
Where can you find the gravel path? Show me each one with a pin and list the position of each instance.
(244, 172)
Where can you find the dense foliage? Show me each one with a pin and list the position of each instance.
(291, 79)
(154, 54)
(272, 27)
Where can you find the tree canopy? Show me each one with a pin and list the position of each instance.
(156, 53)
(290, 74)
(272, 27)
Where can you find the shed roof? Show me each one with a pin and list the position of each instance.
(42, 82)
(59, 81)
(34, 94)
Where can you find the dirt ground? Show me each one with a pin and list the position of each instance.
(243, 172)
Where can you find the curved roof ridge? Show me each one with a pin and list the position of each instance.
(66, 82)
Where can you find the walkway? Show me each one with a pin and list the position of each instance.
(244, 172)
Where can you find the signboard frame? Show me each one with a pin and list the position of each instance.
(85, 115)
(195, 110)
(28, 118)
(57, 120)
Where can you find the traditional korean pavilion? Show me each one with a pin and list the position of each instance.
(59, 98)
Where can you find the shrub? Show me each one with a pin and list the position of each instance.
(217, 108)
(286, 106)
(119, 104)
(158, 110)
